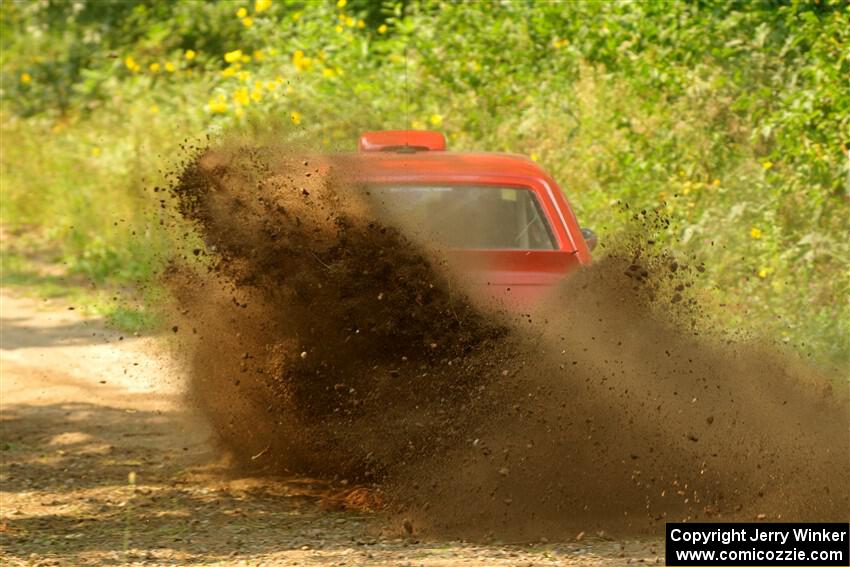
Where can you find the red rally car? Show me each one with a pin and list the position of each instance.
(502, 218)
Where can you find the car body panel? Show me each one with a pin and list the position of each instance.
(517, 277)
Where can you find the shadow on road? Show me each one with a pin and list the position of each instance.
(85, 482)
(18, 334)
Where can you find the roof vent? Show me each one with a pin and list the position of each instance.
(402, 141)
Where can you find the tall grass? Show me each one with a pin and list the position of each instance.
(79, 194)
(80, 217)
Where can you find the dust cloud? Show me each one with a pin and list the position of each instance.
(324, 340)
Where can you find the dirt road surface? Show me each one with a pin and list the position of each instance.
(101, 465)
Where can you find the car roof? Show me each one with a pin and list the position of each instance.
(372, 165)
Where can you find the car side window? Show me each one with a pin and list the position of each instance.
(463, 216)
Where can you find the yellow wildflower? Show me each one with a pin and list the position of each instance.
(170, 67)
(755, 233)
(241, 13)
(295, 116)
(534, 157)
(95, 152)
(190, 54)
(338, 28)
(341, 3)
(301, 62)
(270, 85)
(233, 56)
(327, 72)
(154, 109)
(154, 67)
(716, 182)
(229, 72)
(559, 43)
(361, 24)
(26, 78)
(436, 119)
(241, 97)
(244, 76)
(259, 55)
(349, 21)
(256, 94)
(382, 28)
(131, 64)
(217, 105)
(767, 164)
(247, 22)
(296, 16)
(262, 5)
(764, 272)
(417, 125)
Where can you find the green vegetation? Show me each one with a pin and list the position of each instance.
(733, 118)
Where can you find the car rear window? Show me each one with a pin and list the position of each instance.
(468, 216)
